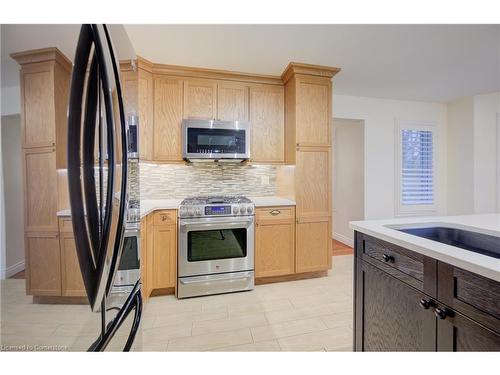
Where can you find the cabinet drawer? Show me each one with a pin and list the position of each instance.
(473, 295)
(165, 217)
(274, 214)
(401, 263)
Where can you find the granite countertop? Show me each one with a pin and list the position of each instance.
(150, 205)
(481, 264)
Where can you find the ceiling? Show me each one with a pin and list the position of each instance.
(413, 62)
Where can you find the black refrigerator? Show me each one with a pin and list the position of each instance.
(98, 168)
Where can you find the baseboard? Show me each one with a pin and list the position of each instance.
(345, 240)
(12, 270)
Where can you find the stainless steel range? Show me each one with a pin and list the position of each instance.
(216, 245)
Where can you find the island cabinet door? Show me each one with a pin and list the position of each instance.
(457, 333)
(390, 315)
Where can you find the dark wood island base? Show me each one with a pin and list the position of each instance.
(405, 301)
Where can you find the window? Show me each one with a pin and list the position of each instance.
(415, 169)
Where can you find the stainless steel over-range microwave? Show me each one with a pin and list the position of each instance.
(209, 140)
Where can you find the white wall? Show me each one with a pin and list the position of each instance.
(348, 177)
(473, 180)
(13, 189)
(460, 132)
(379, 116)
(486, 108)
(2, 219)
(11, 100)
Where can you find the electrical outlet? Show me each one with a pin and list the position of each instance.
(264, 180)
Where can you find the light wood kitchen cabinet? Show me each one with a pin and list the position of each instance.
(43, 264)
(274, 241)
(164, 252)
(267, 121)
(71, 275)
(314, 102)
(200, 99)
(232, 101)
(313, 252)
(40, 181)
(168, 114)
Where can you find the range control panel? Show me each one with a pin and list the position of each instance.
(218, 210)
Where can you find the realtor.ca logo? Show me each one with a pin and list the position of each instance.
(33, 348)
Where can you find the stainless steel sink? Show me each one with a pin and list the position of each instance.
(464, 239)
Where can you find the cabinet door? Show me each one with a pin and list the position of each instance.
(40, 181)
(232, 101)
(388, 314)
(313, 252)
(456, 333)
(43, 268)
(312, 173)
(200, 99)
(314, 101)
(274, 247)
(164, 256)
(167, 118)
(37, 98)
(146, 114)
(267, 121)
(71, 275)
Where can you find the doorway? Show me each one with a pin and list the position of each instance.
(348, 178)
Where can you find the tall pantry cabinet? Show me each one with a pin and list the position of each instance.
(308, 119)
(44, 81)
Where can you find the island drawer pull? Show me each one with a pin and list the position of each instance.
(388, 258)
(275, 212)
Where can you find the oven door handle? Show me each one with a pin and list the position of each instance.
(225, 224)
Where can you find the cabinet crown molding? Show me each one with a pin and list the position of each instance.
(42, 55)
(308, 69)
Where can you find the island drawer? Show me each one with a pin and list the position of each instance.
(408, 266)
(165, 217)
(475, 296)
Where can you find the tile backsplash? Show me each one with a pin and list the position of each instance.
(163, 181)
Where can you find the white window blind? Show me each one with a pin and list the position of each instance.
(417, 177)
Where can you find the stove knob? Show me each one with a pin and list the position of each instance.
(198, 212)
(235, 210)
(183, 211)
(191, 211)
(242, 210)
(249, 210)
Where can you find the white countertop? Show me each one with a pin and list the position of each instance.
(150, 205)
(468, 260)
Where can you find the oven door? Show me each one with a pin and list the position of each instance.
(216, 245)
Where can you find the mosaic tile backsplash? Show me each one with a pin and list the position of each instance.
(164, 181)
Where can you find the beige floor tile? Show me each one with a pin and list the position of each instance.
(320, 298)
(263, 346)
(27, 329)
(211, 341)
(260, 306)
(322, 340)
(166, 333)
(292, 328)
(308, 311)
(231, 324)
(343, 319)
(188, 317)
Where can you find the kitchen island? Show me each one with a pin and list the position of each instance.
(419, 294)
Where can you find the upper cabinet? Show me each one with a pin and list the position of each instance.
(232, 101)
(200, 99)
(168, 98)
(314, 118)
(267, 121)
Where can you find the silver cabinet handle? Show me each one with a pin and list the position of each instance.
(275, 212)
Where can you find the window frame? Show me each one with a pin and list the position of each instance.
(422, 209)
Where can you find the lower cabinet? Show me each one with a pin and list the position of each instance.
(43, 264)
(313, 251)
(274, 241)
(162, 231)
(392, 318)
(71, 276)
(448, 309)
